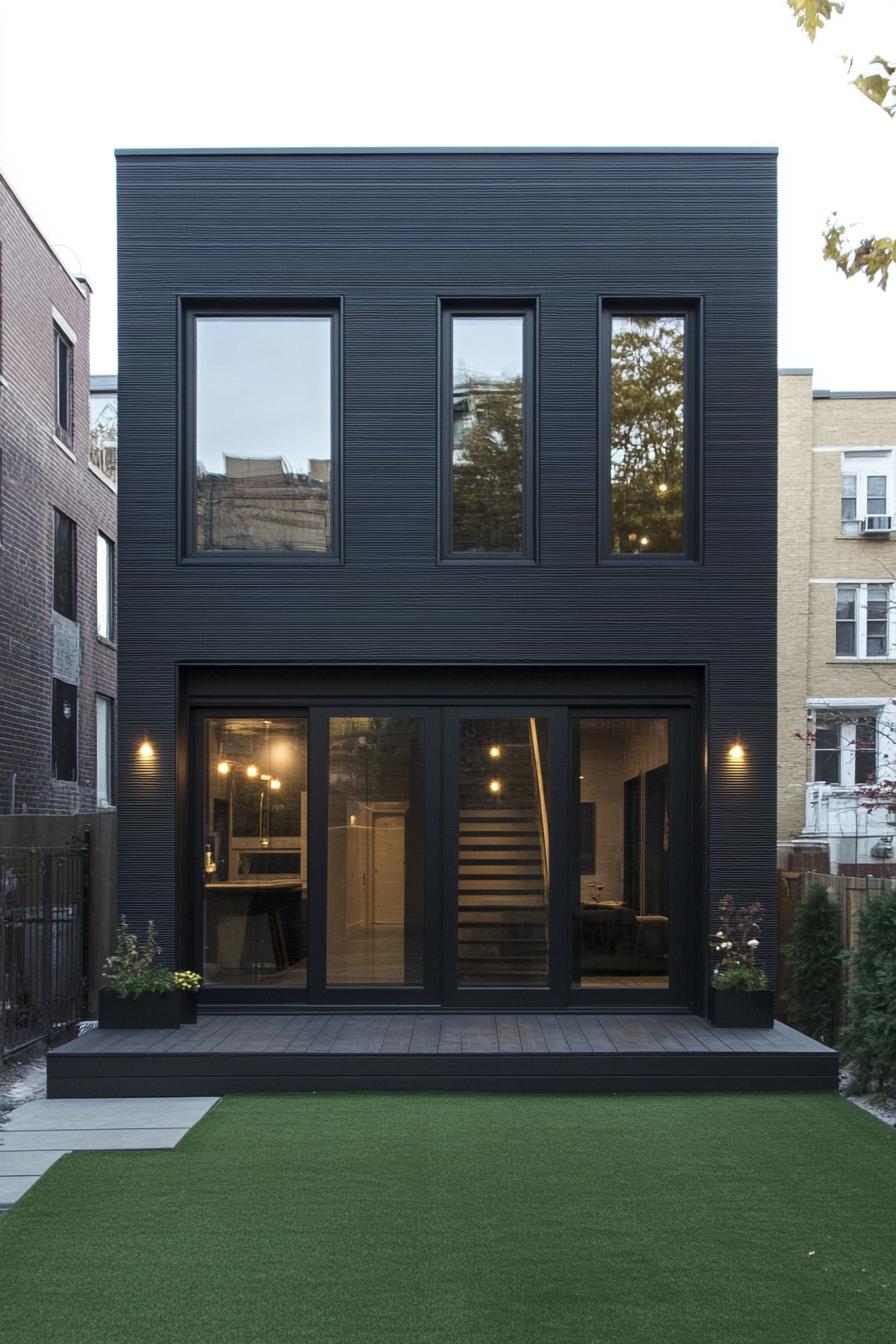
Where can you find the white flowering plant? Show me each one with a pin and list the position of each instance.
(735, 945)
(133, 968)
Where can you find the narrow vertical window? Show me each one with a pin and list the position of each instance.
(488, 433)
(65, 730)
(104, 719)
(64, 565)
(64, 362)
(827, 749)
(877, 609)
(649, 391)
(846, 645)
(105, 569)
(866, 749)
(263, 433)
(877, 496)
(848, 504)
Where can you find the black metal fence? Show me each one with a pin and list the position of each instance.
(43, 928)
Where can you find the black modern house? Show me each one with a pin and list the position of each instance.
(447, 576)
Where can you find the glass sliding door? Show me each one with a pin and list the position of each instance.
(621, 933)
(375, 851)
(503, 852)
(254, 859)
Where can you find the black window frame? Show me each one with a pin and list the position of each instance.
(64, 743)
(63, 357)
(527, 308)
(690, 308)
(68, 609)
(294, 306)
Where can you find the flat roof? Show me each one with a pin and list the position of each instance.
(459, 149)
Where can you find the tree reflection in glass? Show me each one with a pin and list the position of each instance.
(647, 434)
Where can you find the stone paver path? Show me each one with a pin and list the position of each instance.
(40, 1132)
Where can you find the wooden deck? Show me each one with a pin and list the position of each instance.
(378, 1051)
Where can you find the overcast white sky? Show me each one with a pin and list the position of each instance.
(79, 79)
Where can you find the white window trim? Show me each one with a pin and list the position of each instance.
(862, 586)
(862, 463)
(847, 739)
(63, 326)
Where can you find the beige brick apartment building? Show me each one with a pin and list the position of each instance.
(836, 626)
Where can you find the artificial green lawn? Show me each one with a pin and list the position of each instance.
(437, 1219)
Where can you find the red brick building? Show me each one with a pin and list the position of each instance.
(57, 545)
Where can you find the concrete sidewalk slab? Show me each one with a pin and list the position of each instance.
(29, 1162)
(89, 1140)
(109, 1113)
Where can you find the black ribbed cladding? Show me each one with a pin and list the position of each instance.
(390, 234)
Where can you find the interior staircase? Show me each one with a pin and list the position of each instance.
(502, 897)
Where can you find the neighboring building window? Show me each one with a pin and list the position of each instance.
(263, 432)
(65, 730)
(105, 585)
(104, 728)
(65, 597)
(104, 432)
(845, 750)
(863, 620)
(64, 386)
(866, 488)
(649, 390)
(488, 433)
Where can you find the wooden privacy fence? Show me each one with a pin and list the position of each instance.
(848, 893)
(43, 925)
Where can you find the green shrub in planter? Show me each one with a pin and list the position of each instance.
(138, 992)
(868, 1041)
(816, 967)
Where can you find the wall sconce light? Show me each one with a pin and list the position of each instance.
(494, 753)
(252, 771)
(736, 752)
(494, 786)
(146, 751)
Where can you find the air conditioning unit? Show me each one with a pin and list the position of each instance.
(877, 525)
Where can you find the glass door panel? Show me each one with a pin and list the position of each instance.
(621, 930)
(375, 851)
(255, 848)
(503, 852)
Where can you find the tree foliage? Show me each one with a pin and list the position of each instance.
(872, 256)
(487, 485)
(647, 434)
(816, 966)
(868, 1042)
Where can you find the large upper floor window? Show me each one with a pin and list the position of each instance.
(488, 433)
(65, 550)
(866, 491)
(845, 747)
(263, 431)
(649, 430)
(863, 620)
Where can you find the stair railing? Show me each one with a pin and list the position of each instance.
(543, 834)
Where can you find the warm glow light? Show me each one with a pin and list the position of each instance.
(645, 541)
(275, 784)
(663, 487)
(494, 786)
(353, 820)
(252, 771)
(223, 767)
(495, 753)
(146, 751)
(265, 776)
(736, 752)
